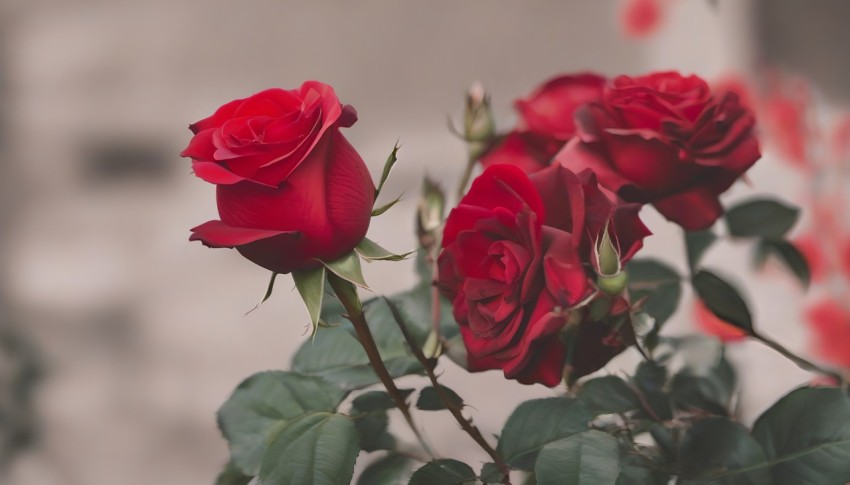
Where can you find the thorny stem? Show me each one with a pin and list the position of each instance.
(354, 310)
(801, 362)
(451, 405)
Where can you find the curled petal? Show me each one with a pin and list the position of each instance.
(694, 210)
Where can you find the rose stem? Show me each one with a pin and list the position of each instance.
(464, 423)
(801, 362)
(464, 179)
(347, 294)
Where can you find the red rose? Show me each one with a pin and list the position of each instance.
(664, 139)
(546, 122)
(309, 195)
(516, 258)
(265, 137)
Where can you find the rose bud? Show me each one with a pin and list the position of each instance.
(429, 213)
(291, 190)
(664, 139)
(610, 276)
(546, 122)
(513, 264)
(478, 123)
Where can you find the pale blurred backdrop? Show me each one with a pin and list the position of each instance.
(138, 336)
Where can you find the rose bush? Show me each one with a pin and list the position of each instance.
(546, 122)
(518, 256)
(290, 189)
(665, 139)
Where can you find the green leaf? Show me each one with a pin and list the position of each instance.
(315, 449)
(264, 404)
(761, 218)
(392, 469)
(538, 422)
(388, 166)
(443, 472)
(372, 430)
(348, 268)
(231, 475)
(311, 287)
(373, 401)
(697, 243)
(714, 447)
(370, 412)
(709, 390)
(371, 251)
(608, 395)
(806, 436)
(660, 288)
(790, 256)
(380, 210)
(429, 399)
(338, 356)
(590, 458)
(651, 379)
(490, 473)
(722, 299)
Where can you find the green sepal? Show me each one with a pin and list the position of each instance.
(388, 166)
(371, 251)
(380, 210)
(348, 268)
(311, 286)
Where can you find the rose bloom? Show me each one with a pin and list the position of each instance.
(516, 258)
(546, 122)
(665, 139)
(290, 188)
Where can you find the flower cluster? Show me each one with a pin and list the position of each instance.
(535, 243)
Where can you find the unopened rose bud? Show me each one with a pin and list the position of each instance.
(429, 216)
(478, 124)
(610, 278)
(607, 255)
(614, 284)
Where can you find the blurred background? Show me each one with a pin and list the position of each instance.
(119, 339)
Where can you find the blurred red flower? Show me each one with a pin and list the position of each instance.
(641, 18)
(829, 323)
(711, 324)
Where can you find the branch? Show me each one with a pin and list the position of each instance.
(801, 362)
(464, 423)
(348, 296)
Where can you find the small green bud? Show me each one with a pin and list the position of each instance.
(429, 216)
(479, 127)
(613, 284)
(433, 347)
(607, 255)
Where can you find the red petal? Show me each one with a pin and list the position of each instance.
(693, 210)
(520, 151)
(578, 156)
(504, 186)
(550, 108)
(217, 234)
(215, 173)
(200, 147)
